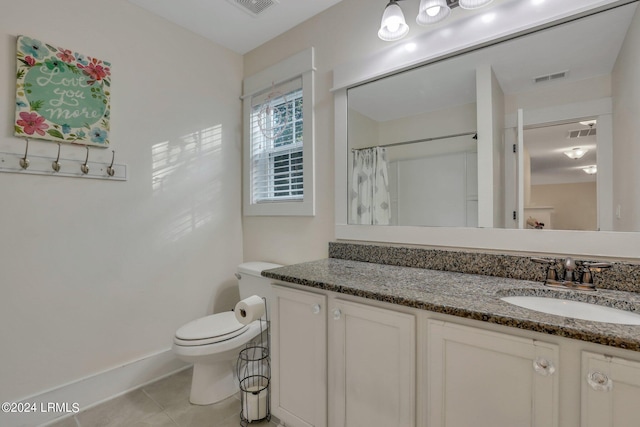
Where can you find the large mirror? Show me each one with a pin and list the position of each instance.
(533, 132)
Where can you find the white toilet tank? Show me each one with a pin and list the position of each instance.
(252, 283)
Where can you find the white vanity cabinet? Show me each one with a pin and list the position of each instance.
(371, 366)
(344, 361)
(299, 357)
(486, 379)
(610, 391)
(361, 357)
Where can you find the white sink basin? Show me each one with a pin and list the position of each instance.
(575, 309)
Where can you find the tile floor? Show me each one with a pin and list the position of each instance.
(164, 403)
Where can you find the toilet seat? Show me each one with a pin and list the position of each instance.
(210, 329)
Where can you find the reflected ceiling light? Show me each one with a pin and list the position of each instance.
(393, 26)
(591, 170)
(588, 122)
(576, 153)
(432, 11)
(473, 4)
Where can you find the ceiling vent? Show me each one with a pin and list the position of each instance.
(551, 77)
(581, 133)
(253, 7)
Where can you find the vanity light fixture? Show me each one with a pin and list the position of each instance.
(393, 26)
(432, 11)
(576, 153)
(591, 170)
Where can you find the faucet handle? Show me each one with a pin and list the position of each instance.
(597, 266)
(590, 268)
(551, 267)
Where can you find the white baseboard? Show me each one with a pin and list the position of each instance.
(93, 390)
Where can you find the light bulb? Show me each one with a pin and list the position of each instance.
(433, 11)
(393, 26)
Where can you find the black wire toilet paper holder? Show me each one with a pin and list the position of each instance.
(254, 376)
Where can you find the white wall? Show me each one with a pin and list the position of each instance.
(448, 121)
(364, 131)
(574, 205)
(96, 274)
(626, 138)
(559, 93)
(490, 110)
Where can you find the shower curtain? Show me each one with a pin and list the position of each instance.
(370, 200)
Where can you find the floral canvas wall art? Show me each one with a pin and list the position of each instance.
(61, 95)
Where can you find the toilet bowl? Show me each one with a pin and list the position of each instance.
(212, 343)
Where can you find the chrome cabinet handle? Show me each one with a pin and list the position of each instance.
(337, 314)
(315, 309)
(599, 381)
(543, 367)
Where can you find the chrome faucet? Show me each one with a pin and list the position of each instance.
(574, 277)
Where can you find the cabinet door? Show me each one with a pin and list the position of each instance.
(610, 391)
(486, 379)
(371, 366)
(299, 358)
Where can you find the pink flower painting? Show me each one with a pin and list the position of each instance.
(32, 122)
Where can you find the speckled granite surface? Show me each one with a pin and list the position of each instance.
(621, 276)
(464, 295)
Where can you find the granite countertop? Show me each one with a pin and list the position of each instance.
(465, 295)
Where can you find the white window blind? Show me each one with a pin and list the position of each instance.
(277, 143)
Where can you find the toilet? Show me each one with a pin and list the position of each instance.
(212, 343)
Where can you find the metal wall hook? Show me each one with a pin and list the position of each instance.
(84, 168)
(24, 162)
(56, 164)
(110, 170)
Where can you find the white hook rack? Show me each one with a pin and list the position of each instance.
(41, 165)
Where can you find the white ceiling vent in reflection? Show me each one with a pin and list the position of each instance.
(253, 7)
(551, 77)
(581, 133)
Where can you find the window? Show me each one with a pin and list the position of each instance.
(278, 139)
(277, 143)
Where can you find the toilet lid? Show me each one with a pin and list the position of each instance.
(220, 325)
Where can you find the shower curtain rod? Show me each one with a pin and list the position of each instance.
(474, 133)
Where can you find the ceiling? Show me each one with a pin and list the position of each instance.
(229, 25)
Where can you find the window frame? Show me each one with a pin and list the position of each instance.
(301, 66)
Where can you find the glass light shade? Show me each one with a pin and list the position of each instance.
(591, 170)
(576, 153)
(432, 11)
(473, 4)
(393, 26)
